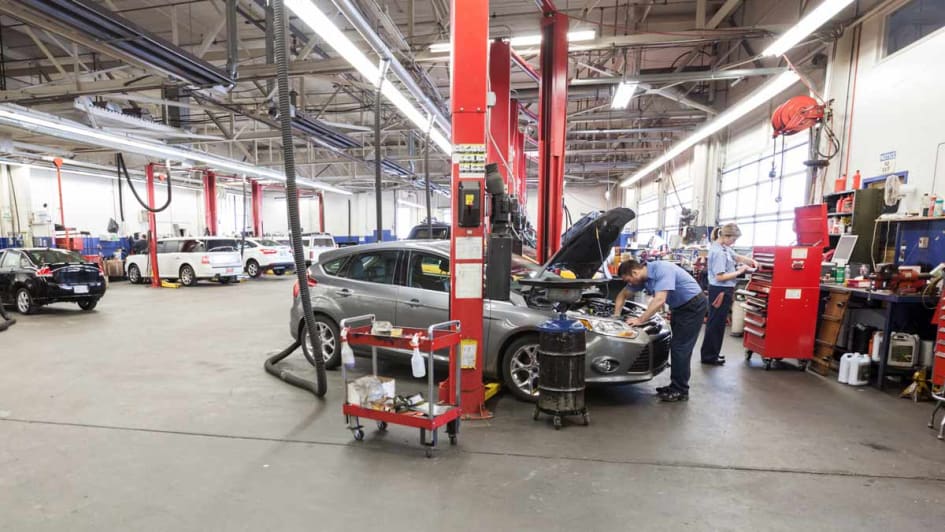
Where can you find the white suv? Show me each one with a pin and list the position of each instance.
(189, 260)
(313, 244)
(264, 254)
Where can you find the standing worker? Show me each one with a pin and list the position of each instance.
(671, 285)
(722, 273)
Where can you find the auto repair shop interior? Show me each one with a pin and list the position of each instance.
(472, 264)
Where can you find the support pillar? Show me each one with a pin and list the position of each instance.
(257, 196)
(210, 202)
(321, 211)
(552, 131)
(497, 148)
(470, 36)
(517, 153)
(152, 228)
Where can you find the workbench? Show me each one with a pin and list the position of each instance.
(911, 309)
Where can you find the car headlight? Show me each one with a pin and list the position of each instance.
(608, 327)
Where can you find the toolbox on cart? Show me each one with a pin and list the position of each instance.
(783, 294)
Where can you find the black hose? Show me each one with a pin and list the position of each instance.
(288, 377)
(121, 199)
(122, 169)
(280, 20)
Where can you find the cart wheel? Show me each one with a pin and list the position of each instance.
(536, 414)
(557, 422)
(429, 452)
(358, 434)
(452, 439)
(802, 365)
(747, 355)
(587, 419)
(767, 364)
(381, 425)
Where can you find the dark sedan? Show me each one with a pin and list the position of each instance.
(31, 278)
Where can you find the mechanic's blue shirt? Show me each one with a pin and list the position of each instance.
(679, 285)
(721, 260)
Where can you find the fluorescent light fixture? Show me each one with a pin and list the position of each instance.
(23, 118)
(318, 22)
(815, 19)
(763, 94)
(525, 40)
(406, 203)
(623, 94)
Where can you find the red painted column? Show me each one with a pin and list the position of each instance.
(152, 228)
(210, 201)
(517, 152)
(552, 129)
(321, 211)
(470, 37)
(256, 199)
(497, 148)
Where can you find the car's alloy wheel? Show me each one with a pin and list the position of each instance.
(521, 369)
(252, 268)
(329, 337)
(187, 277)
(24, 302)
(134, 274)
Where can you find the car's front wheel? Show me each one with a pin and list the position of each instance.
(520, 368)
(88, 304)
(24, 302)
(331, 348)
(253, 269)
(187, 275)
(134, 274)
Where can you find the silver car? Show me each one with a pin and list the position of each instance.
(407, 283)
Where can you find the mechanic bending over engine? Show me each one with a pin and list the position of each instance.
(668, 284)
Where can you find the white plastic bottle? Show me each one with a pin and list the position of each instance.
(347, 354)
(844, 371)
(416, 361)
(877, 346)
(860, 370)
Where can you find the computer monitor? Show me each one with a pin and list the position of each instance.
(844, 249)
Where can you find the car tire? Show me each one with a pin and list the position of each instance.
(24, 302)
(329, 332)
(253, 269)
(520, 367)
(88, 304)
(134, 274)
(187, 276)
(278, 272)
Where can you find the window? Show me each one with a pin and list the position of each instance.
(377, 267)
(913, 22)
(429, 272)
(193, 246)
(648, 217)
(11, 259)
(168, 246)
(323, 242)
(25, 262)
(54, 256)
(748, 197)
(674, 207)
(332, 267)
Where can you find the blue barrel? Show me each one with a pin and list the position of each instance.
(561, 353)
(5, 242)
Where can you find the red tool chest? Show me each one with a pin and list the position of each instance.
(784, 293)
(938, 361)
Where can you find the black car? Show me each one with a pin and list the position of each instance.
(31, 278)
(435, 230)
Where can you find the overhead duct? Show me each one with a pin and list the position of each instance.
(116, 32)
(322, 134)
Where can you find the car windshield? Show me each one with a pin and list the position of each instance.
(283, 241)
(423, 233)
(54, 256)
(323, 242)
(269, 242)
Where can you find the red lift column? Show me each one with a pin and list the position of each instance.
(321, 211)
(256, 195)
(517, 151)
(152, 228)
(210, 201)
(497, 147)
(470, 37)
(552, 129)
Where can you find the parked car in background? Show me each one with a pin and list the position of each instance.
(435, 230)
(313, 244)
(408, 284)
(265, 254)
(33, 277)
(189, 260)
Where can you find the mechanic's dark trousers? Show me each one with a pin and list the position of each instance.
(715, 326)
(5, 321)
(686, 321)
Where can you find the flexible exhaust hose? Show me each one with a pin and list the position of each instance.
(287, 376)
(319, 386)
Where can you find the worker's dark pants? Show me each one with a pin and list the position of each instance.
(686, 321)
(715, 326)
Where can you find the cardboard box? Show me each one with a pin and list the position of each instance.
(369, 390)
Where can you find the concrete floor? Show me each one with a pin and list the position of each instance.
(154, 413)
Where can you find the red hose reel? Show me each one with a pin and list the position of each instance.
(796, 115)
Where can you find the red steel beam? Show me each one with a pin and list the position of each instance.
(152, 228)
(526, 67)
(470, 37)
(321, 211)
(210, 201)
(517, 150)
(256, 199)
(552, 132)
(497, 148)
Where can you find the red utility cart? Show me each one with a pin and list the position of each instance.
(782, 296)
(434, 338)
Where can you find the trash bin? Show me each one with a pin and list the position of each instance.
(561, 353)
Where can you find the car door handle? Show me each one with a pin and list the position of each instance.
(413, 303)
(344, 292)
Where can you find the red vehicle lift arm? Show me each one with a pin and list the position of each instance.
(152, 228)
(256, 193)
(210, 201)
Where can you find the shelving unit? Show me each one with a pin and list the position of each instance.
(867, 206)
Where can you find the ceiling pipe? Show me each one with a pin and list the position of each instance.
(354, 16)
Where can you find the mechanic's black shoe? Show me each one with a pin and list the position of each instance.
(663, 389)
(716, 362)
(673, 396)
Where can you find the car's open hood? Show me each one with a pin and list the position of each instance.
(587, 247)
